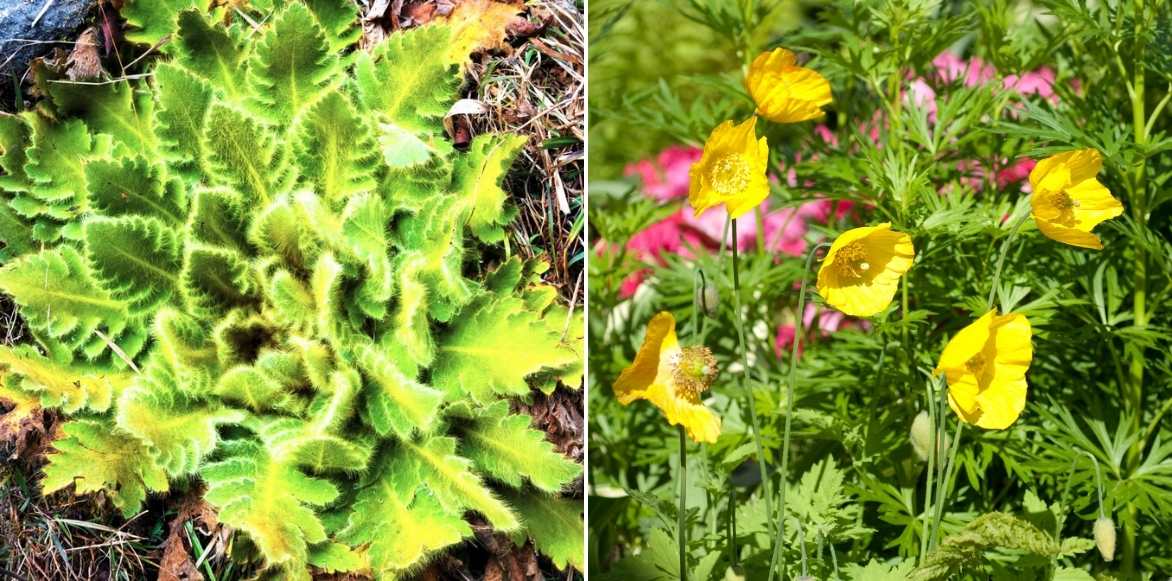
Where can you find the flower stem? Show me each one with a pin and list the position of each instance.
(681, 521)
(739, 322)
(789, 410)
(946, 483)
(1139, 299)
(935, 448)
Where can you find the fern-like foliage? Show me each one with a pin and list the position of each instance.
(263, 269)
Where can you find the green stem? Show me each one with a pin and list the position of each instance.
(681, 521)
(739, 322)
(946, 484)
(1139, 300)
(933, 450)
(789, 410)
(1018, 221)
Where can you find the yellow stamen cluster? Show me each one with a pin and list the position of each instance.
(729, 174)
(693, 370)
(975, 364)
(852, 261)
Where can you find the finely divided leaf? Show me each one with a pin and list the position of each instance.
(477, 181)
(94, 457)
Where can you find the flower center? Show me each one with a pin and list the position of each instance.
(975, 364)
(729, 174)
(693, 370)
(1063, 201)
(851, 260)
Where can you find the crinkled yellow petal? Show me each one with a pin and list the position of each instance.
(1095, 203)
(649, 378)
(1077, 165)
(743, 189)
(785, 92)
(996, 397)
(1068, 201)
(889, 255)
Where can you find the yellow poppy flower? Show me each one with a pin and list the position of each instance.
(783, 91)
(672, 378)
(861, 272)
(986, 364)
(1068, 202)
(731, 170)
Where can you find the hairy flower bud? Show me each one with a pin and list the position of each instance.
(921, 436)
(708, 298)
(1105, 537)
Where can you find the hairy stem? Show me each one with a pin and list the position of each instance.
(739, 322)
(789, 410)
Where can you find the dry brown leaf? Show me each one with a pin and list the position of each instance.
(480, 25)
(20, 419)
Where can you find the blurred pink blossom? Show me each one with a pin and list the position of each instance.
(667, 177)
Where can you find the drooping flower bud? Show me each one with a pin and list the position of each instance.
(922, 436)
(1105, 537)
(708, 298)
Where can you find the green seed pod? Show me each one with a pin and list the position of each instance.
(1105, 537)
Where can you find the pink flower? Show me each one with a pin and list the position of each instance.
(785, 340)
(1018, 172)
(973, 72)
(632, 282)
(1039, 82)
(666, 178)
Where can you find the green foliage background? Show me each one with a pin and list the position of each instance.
(1024, 499)
(266, 269)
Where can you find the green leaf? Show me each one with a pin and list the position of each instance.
(135, 259)
(215, 280)
(259, 490)
(152, 20)
(364, 228)
(94, 457)
(71, 388)
(335, 558)
(291, 67)
(183, 101)
(131, 186)
(338, 18)
(219, 217)
(58, 296)
(56, 160)
(112, 109)
(507, 448)
(396, 499)
(243, 155)
(493, 347)
(555, 525)
(476, 180)
(407, 80)
(180, 430)
(454, 484)
(212, 52)
(336, 149)
(15, 233)
(396, 402)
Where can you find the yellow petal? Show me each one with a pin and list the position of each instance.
(785, 92)
(731, 170)
(1095, 203)
(649, 378)
(1067, 235)
(636, 380)
(996, 397)
(885, 254)
(966, 343)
